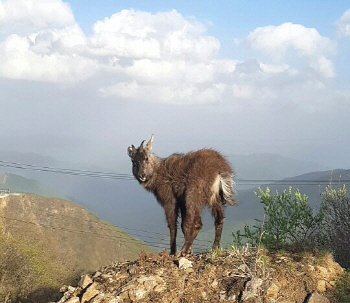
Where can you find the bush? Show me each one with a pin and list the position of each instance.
(288, 220)
(335, 208)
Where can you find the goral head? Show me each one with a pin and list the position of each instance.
(142, 161)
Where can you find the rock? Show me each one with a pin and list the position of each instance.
(159, 288)
(137, 294)
(323, 271)
(68, 293)
(215, 283)
(103, 298)
(272, 291)
(321, 286)
(184, 263)
(85, 281)
(97, 274)
(252, 289)
(199, 278)
(150, 282)
(64, 288)
(317, 298)
(90, 292)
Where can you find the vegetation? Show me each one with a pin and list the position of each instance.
(341, 292)
(335, 209)
(290, 222)
(288, 219)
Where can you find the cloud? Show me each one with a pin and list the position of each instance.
(42, 42)
(276, 41)
(138, 34)
(343, 24)
(160, 57)
(46, 56)
(25, 16)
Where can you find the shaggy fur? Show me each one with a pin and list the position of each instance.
(186, 183)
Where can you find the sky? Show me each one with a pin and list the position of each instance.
(82, 80)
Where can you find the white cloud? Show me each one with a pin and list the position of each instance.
(21, 59)
(137, 34)
(276, 41)
(49, 47)
(26, 15)
(185, 93)
(160, 58)
(343, 24)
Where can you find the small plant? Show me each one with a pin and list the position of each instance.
(288, 220)
(216, 252)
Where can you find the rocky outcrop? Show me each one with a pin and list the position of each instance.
(225, 277)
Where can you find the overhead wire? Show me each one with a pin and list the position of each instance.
(123, 176)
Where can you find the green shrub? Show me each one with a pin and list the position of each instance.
(335, 208)
(288, 220)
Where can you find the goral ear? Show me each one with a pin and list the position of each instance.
(131, 151)
(150, 143)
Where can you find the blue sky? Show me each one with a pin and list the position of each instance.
(241, 76)
(225, 19)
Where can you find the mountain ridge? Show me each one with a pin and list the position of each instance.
(54, 241)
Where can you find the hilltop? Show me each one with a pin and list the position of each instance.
(20, 184)
(49, 241)
(220, 276)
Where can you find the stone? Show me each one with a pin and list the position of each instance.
(90, 292)
(323, 271)
(150, 282)
(272, 291)
(321, 286)
(317, 298)
(68, 292)
(137, 294)
(73, 300)
(97, 274)
(85, 281)
(252, 289)
(159, 288)
(215, 283)
(64, 288)
(184, 263)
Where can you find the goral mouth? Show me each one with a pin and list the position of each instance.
(142, 179)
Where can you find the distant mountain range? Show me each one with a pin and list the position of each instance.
(16, 183)
(271, 166)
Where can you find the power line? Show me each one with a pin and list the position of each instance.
(120, 176)
(74, 172)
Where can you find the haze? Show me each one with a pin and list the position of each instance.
(82, 80)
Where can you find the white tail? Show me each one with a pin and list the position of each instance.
(227, 191)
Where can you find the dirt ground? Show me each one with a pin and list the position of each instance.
(219, 276)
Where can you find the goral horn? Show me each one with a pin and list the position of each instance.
(141, 145)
